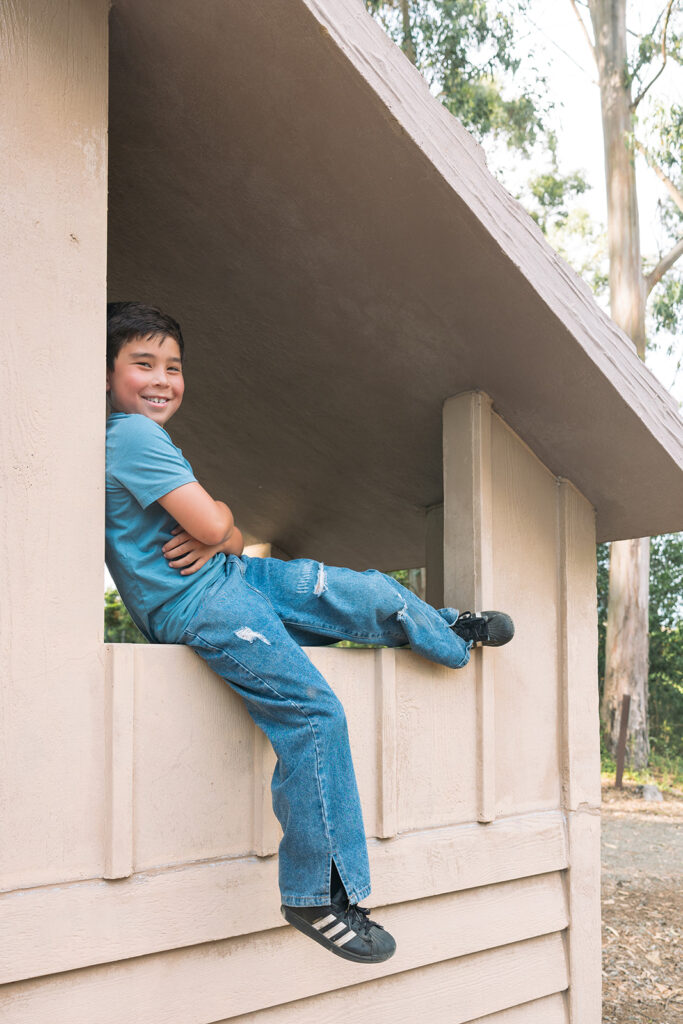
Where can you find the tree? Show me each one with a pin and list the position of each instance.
(468, 52)
(625, 79)
(665, 698)
(467, 49)
(119, 628)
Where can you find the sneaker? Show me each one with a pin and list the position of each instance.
(491, 629)
(345, 929)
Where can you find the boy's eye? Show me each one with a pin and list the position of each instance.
(142, 364)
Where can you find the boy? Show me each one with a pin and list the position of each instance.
(176, 557)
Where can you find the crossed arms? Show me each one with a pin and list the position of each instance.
(205, 528)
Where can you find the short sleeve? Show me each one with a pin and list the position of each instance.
(145, 461)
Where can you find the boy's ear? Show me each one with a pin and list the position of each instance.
(108, 386)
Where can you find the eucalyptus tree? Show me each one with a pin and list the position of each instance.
(469, 52)
(629, 63)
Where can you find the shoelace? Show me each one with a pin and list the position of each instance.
(476, 626)
(359, 919)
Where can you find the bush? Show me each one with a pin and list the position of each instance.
(119, 628)
(665, 680)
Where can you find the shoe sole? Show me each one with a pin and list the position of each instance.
(313, 933)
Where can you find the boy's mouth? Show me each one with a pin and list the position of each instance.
(155, 401)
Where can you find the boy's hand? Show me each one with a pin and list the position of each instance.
(186, 553)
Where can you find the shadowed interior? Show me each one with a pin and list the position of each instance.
(334, 290)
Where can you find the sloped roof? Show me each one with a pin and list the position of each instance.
(342, 261)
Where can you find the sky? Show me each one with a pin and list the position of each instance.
(558, 45)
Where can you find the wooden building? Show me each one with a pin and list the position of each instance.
(387, 366)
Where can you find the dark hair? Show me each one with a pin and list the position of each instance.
(128, 320)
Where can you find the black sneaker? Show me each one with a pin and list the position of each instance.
(492, 629)
(344, 929)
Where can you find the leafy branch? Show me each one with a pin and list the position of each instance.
(664, 265)
(652, 81)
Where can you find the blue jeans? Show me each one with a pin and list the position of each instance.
(250, 627)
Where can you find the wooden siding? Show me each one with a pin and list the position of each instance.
(479, 789)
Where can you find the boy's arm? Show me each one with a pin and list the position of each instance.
(193, 508)
(187, 554)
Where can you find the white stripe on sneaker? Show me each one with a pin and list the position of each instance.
(339, 927)
(322, 922)
(344, 939)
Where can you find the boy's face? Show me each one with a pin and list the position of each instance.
(147, 378)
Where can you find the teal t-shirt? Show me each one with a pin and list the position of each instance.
(143, 464)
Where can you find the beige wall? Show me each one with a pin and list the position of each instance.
(480, 790)
(53, 92)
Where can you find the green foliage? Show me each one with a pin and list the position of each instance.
(666, 645)
(667, 305)
(119, 628)
(603, 595)
(665, 770)
(665, 130)
(552, 192)
(665, 704)
(646, 47)
(468, 52)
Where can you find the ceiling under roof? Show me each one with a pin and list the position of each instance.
(341, 262)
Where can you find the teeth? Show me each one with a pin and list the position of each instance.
(156, 401)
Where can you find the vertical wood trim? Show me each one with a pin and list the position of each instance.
(583, 937)
(434, 556)
(577, 653)
(266, 830)
(579, 748)
(387, 748)
(118, 746)
(468, 554)
(486, 739)
(468, 494)
(562, 650)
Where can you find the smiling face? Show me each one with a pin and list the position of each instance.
(147, 378)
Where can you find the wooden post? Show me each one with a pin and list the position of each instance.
(266, 828)
(621, 745)
(434, 556)
(468, 559)
(118, 747)
(53, 268)
(387, 752)
(577, 631)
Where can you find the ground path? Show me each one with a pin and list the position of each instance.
(642, 908)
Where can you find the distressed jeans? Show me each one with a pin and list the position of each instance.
(250, 628)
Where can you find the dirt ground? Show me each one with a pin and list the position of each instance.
(642, 908)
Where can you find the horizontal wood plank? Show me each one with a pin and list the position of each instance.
(58, 928)
(442, 992)
(550, 1010)
(213, 980)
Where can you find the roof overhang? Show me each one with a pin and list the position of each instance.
(341, 260)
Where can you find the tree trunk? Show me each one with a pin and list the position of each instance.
(626, 655)
(408, 46)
